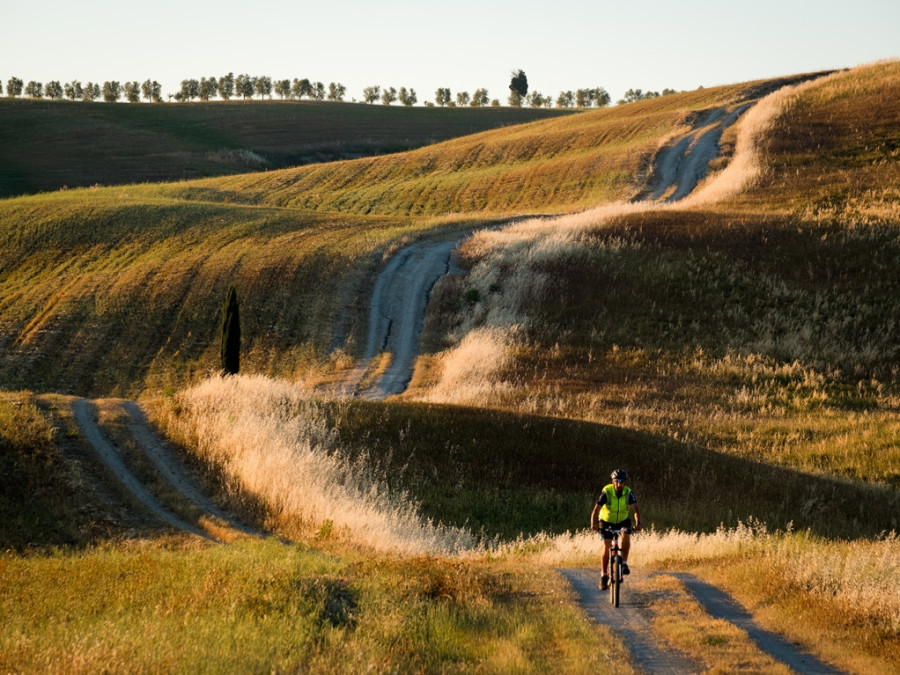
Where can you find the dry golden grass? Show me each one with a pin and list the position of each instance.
(115, 291)
(273, 445)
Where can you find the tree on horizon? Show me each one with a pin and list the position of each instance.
(518, 88)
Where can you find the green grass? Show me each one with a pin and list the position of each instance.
(36, 500)
(738, 359)
(48, 145)
(270, 606)
(109, 295)
(114, 291)
(546, 166)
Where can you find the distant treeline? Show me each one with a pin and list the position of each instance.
(246, 87)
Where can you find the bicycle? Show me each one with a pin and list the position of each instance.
(616, 577)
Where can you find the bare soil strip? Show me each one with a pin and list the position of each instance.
(172, 469)
(631, 621)
(720, 605)
(681, 165)
(85, 416)
(397, 313)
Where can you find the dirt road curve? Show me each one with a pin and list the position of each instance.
(396, 315)
(166, 464)
(172, 469)
(400, 296)
(682, 164)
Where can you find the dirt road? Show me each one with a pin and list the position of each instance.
(399, 300)
(680, 165)
(171, 470)
(631, 621)
(401, 292)
(396, 316)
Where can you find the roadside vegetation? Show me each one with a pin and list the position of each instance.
(739, 356)
(258, 605)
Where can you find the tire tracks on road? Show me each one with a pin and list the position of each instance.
(631, 622)
(397, 314)
(720, 605)
(166, 464)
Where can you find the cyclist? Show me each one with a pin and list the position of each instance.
(612, 511)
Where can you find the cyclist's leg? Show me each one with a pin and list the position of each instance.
(605, 560)
(607, 543)
(626, 544)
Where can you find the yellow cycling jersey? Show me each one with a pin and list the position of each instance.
(615, 509)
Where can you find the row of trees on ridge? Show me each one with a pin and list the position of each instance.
(246, 87)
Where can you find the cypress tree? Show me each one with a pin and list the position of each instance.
(231, 333)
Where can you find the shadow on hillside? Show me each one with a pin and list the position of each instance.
(509, 473)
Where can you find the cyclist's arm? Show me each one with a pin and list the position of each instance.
(637, 515)
(595, 518)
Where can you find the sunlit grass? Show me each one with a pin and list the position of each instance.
(265, 605)
(741, 352)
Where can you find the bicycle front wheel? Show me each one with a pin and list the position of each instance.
(615, 581)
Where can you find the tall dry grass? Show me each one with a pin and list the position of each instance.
(270, 438)
(275, 442)
(518, 252)
(747, 165)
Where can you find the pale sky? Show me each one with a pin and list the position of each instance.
(460, 44)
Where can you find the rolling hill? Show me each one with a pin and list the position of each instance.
(739, 356)
(50, 145)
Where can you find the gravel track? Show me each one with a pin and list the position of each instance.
(680, 166)
(396, 316)
(631, 621)
(172, 469)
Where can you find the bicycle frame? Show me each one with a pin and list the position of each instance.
(615, 569)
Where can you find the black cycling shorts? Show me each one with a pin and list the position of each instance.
(605, 528)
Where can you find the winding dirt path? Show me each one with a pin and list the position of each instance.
(396, 317)
(401, 293)
(165, 462)
(86, 418)
(681, 164)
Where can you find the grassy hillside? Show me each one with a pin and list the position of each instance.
(46, 145)
(544, 167)
(144, 267)
(762, 328)
(739, 359)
